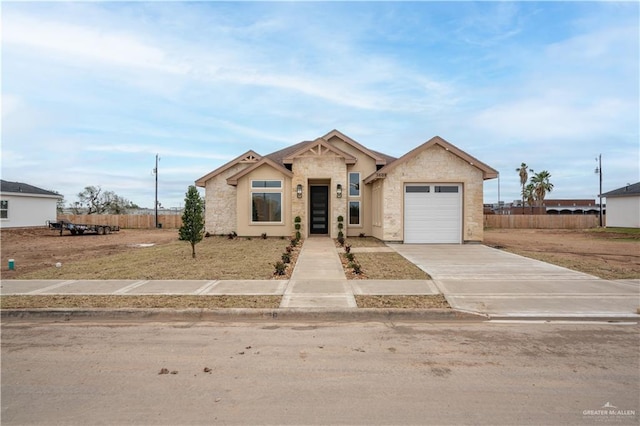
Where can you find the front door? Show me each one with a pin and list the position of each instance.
(319, 210)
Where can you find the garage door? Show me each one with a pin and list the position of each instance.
(433, 213)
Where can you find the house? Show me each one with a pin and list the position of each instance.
(24, 205)
(432, 194)
(623, 206)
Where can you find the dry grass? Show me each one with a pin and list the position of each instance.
(403, 302)
(130, 301)
(218, 258)
(364, 242)
(383, 266)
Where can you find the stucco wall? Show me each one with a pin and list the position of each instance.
(26, 210)
(623, 212)
(328, 168)
(433, 165)
(220, 199)
(243, 205)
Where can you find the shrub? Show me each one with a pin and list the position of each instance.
(298, 236)
(288, 249)
(347, 248)
(280, 268)
(349, 256)
(232, 235)
(340, 225)
(294, 242)
(340, 219)
(298, 226)
(340, 234)
(341, 241)
(286, 258)
(357, 268)
(207, 235)
(248, 238)
(297, 219)
(264, 235)
(362, 235)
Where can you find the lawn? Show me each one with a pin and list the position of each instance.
(218, 258)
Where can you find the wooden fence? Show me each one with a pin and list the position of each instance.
(515, 221)
(541, 221)
(131, 221)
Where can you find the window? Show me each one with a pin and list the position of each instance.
(446, 189)
(266, 184)
(414, 188)
(4, 209)
(354, 184)
(266, 205)
(354, 212)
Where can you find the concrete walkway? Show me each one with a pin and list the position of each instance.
(477, 278)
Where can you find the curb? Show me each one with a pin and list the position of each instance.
(233, 314)
(613, 318)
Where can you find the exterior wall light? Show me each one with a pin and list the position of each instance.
(339, 191)
(299, 190)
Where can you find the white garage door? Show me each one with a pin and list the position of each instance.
(433, 213)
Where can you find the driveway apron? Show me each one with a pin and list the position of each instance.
(477, 278)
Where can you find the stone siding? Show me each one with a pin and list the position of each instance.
(433, 165)
(220, 203)
(329, 169)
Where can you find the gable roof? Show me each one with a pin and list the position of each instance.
(233, 180)
(248, 157)
(487, 172)
(24, 188)
(380, 158)
(316, 147)
(625, 191)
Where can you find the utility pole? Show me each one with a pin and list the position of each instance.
(155, 172)
(599, 172)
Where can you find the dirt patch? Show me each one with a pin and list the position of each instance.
(436, 301)
(38, 248)
(605, 254)
(146, 302)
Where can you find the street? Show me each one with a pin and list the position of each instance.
(177, 373)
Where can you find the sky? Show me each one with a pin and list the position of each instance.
(92, 91)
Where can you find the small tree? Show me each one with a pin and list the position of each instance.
(192, 229)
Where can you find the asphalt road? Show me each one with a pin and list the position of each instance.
(352, 373)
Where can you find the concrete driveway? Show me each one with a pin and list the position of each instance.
(478, 278)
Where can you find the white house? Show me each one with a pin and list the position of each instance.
(623, 207)
(23, 205)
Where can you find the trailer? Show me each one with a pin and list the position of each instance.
(80, 229)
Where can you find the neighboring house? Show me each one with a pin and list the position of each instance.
(23, 205)
(623, 207)
(432, 194)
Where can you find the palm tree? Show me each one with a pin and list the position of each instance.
(529, 194)
(542, 185)
(524, 176)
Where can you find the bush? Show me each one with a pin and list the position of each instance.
(340, 234)
(340, 225)
(340, 219)
(294, 242)
(347, 248)
(362, 235)
(280, 268)
(341, 241)
(298, 235)
(288, 249)
(297, 219)
(232, 235)
(264, 235)
(207, 235)
(349, 256)
(286, 258)
(298, 226)
(357, 268)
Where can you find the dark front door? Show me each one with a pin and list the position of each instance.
(319, 210)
